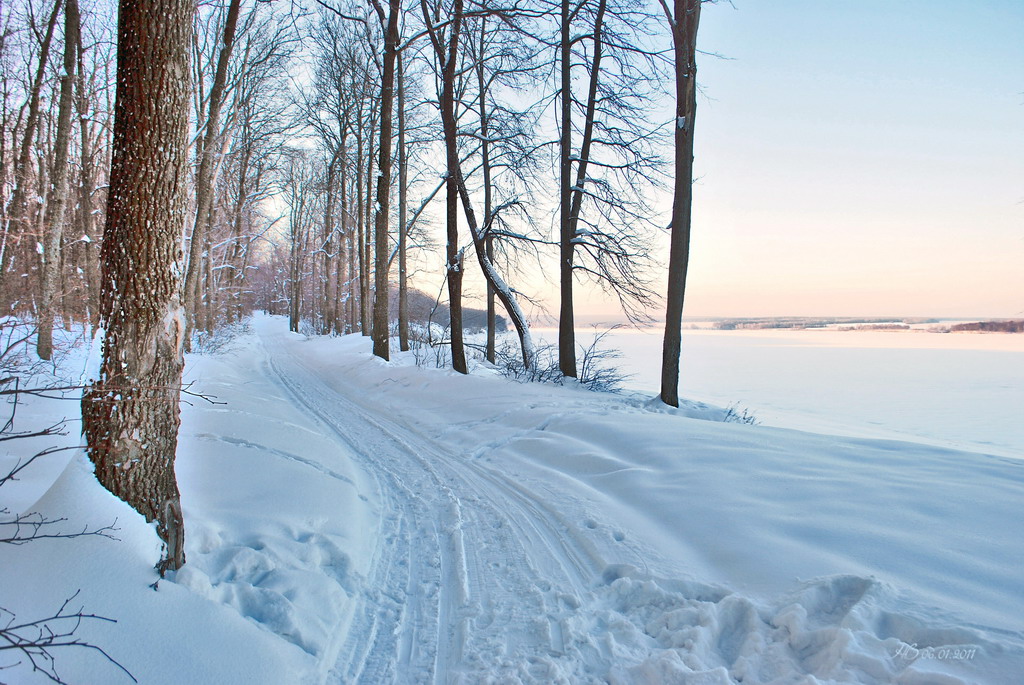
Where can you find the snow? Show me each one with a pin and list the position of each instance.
(964, 390)
(353, 520)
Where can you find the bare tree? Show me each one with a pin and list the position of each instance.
(602, 217)
(56, 209)
(445, 41)
(389, 24)
(130, 415)
(17, 219)
(205, 175)
(683, 18)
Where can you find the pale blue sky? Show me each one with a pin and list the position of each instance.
(860, 158)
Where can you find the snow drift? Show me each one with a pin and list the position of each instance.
(350, 520)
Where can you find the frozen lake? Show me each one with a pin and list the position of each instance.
(960, 390)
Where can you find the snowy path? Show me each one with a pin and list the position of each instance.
(472, 570)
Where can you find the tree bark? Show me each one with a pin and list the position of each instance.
(85, 200)
(566, 318)
(130, 415)
(684, 42)
(360, 229)
(329, 293)
(57, 208)
(368, 244)
(381, 249)
(448, 58)
(344, 250)
(403, 215)
(485, 163)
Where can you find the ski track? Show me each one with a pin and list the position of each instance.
(470, 565)
(477, 577)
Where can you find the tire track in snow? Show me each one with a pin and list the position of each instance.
(507, 569)
(396, 605)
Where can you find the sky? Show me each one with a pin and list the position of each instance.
(857, 159)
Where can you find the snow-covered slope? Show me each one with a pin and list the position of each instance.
(351, 520)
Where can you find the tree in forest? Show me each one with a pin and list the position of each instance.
(389, 25)
(18, 221)
(683, 18)
(507, 154)
(57, 206)
(445, 37)
(303, 192)
(246, 161)
(205, 172)
(130, 415)
(602, 218)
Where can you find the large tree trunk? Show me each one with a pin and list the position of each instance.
(205, 176)
(56, 209)
(381, 249)
(684, 40)
(130, 415)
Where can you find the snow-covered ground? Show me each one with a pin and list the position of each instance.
(351, 520)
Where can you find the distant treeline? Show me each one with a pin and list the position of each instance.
(990, 326)
(809, 322)
(424, 308)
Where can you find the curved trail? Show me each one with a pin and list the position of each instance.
(473, 573)
(434, 528)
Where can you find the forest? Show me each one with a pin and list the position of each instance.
(340, 151)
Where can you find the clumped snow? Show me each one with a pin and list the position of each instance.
(352, 520)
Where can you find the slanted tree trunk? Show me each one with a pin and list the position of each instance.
(57, 208)
(683, 21)
(494, 279)
(130, 415)
(588, 124)
(205, 176)
(381, 248)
